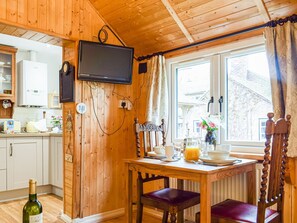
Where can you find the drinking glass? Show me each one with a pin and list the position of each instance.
(192, 149)
(169, 152)
(178, 147)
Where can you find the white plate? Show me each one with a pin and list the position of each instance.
(170, 160)
(153, 154)
(230, 160)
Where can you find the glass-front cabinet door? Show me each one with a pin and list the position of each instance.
(7, 73)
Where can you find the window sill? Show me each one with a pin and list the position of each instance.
(254, 156)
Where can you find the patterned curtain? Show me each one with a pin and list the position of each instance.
(157, 100)
(281, 47)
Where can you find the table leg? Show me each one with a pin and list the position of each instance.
(251, 185)
(180, 215)
(129, 213)
(205, 200)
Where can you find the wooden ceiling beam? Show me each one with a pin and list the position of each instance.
(263, 10)
(178, 21)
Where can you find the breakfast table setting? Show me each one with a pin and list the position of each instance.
(194, 165)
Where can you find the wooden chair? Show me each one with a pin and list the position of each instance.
(169, 200)
(274, 165)
(149, 135)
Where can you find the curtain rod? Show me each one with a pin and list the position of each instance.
(272, 23)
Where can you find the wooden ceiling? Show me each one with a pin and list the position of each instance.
(152, 26)
(158, 25)
(30, 35)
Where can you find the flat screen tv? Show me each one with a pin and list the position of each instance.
(105, 62)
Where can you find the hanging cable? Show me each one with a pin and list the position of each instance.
(97, 118)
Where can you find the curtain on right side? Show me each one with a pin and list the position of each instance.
(281, 47)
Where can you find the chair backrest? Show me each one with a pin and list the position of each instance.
(274, 164)
(148, 135)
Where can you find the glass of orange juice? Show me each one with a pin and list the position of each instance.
(192, 149)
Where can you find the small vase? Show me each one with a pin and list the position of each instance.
(210, 138)
(57, 128)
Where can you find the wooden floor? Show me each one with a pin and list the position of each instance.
(11, 212)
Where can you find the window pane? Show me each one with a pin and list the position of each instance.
(249, 96)
(192, 90)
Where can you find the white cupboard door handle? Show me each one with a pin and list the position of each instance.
(10, 149)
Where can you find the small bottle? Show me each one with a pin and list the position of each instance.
(32, 211)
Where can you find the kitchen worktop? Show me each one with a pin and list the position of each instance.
(25, 134)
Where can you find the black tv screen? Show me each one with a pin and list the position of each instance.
(105, 62)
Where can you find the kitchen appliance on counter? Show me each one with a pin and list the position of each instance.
(30, 127)
(32, 83)
(39, 126)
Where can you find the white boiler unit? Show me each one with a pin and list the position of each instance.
(32, 83)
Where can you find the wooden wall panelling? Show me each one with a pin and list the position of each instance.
(51, 15)
(75, 24)
(59, 16)
(72, 190)
(3, 9)
(32, 14)
(102, 154)
(42, 13)
(47, 16)
(11, 10)
(85, 18)
(22, 12)
(68, 16)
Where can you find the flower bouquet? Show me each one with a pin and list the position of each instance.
(57, 121)
(210, 127)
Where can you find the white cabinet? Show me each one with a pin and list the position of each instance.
(2, 154)
(32, 83)
(24, 161)
(56, 161)
(2, 164)
(45, 160)
(2, 180)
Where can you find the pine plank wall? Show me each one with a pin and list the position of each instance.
(97, 158)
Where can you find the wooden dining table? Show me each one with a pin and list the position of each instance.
(182, 170)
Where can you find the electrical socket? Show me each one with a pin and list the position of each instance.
(123, 104)
(127, 104)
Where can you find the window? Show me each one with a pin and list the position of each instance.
(262, 128)
(247, 94)
(192, 84)
(239, 76)
(196, 127)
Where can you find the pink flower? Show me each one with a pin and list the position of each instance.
(208, 125)
(212, 125)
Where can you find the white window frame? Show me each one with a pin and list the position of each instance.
(176, 62)
(173, 100)
(243, 51)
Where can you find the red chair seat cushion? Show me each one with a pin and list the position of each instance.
(172, 196)
(237, 210)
